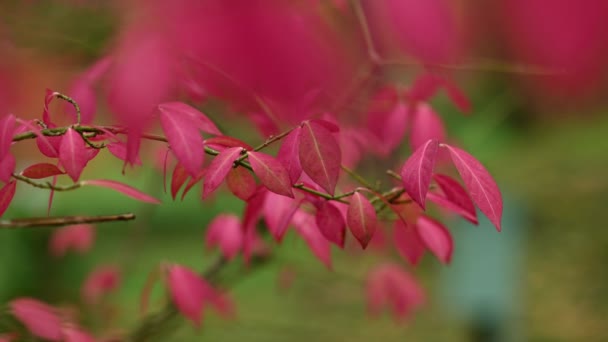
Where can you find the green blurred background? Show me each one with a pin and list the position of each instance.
(542, 279)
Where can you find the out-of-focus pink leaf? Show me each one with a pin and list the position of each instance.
(278, 211)
(330, 126)
(361, 219)
(320, 155)
(200, 120)
(423, 88)
(41, 170)
(48, 98)
(100, 282)
(436, 237)
(331, 223)
(455, 198)
(222, 142)
(241, 183)
(39, 318)
(193, 182)
(426, 125)
(6, 196)
(395, 126)
(7, 130)
(75, 334)
(252, 213)
(219, 168)
(271, 173)
(482, 187)
(180, 175)
(10, 337)
(119, 150)
(7, 167)
(185, 140)
(49, 146)
(73, 154)
(318, 244)
(457, 96)
(123, 188)
(417, 171)
(288, 154)
(79, 237)
(225, 232)
(408, 243)
(82, 92)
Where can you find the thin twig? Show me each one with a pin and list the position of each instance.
(62, 221)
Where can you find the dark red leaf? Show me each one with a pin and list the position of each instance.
(331, 223)
(271, 173)
(6, 196)
(219, 168)
(241, 183)
(320, 155)
(123, 188)
(73, 154)
(180, 175)
(436, 237)
(454, 198)
(417, 171)
(42, 170)
(361, 219)
(482, 188)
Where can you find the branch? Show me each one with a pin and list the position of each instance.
(62, 221)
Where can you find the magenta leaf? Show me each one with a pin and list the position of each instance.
(331, 223)
(200, 120)
(225, 232)
(6, 196)
(41, 170)
(119, 150)
(482, 188)
(39, 318)
(7, 167)
(332, 127)
(100, 282)
(408, 243)
(122, 188)
(219, 168)
(241, 183)
(436, 237)
(180, 175)
(271, 173)
(48, 98)
(361, 219)
(73, 154)
(395, 126)
(278, 212)
(185, 140)
(192, 182)
(455, 198)
(320, 155)
(318, 244)
(426, 124)
(417, 171)
(288, 154)
(222, 142)
(7, 130)
(79, 237)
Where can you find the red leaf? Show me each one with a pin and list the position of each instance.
(119, 150)
(226, 233)
(331, 223)
(271, 173)
(417, 171)
(42, 170)
(222, 142)
(318, 244)
(361, 219)
(179, 178)
(219, 168)
(7, 130)
(320, 155)
(48, 97)
(73, 154)
(332, 127)
(278, 212)
(408, 243)
(123, 188)
(39, 318)
(7, 167)
(288, 155)
(200, 120)
(79, 237)
(455, 198)
(6, 196)
(185, 140)
(241, 183)
(426, 125)
(482, 188)
(436, 237)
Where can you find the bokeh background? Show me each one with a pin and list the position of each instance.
(535, 71)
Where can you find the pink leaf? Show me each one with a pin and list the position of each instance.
(226, 233)
(180, 175)
(241, 183)
(39, 318)
(482, 188)
(455, 198)
(318, 244)
(100, 282)
(74, 334)
(7, 167)
(48, 98)
(288, 155)
(330, 126)
(7, 130)
(83, 93)
(185, 140)
(219, 168)
(320, 155)
(395, 126)
(222, 142)
(123, 188)
(42, 170)
(436, 237)
(417, 171)
(6, 196)
(193, 182)
(200, 120)
(79, 237)
(278, 212)
(119, 150)
(331, 223)
(271, 173)
(426, 125)
(73, 154)
(361, 219)
(408, 243)
(457, 97)
(424, 88)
